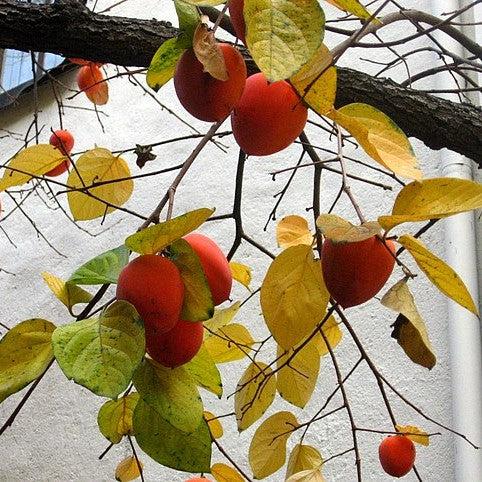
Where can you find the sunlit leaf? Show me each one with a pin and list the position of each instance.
(283, 35)
(204, 372)
(225, 473)
(303, 457)
(155, 238)
(189, 452)
(331, 330)
(380, 137)
(171, 392)
(102, 269)
(414, 434)
(128, 470)
(409, 328)
(102, 353)
(25, 353)
(254, 394)
(296, 380)
(293, 230)
(267, 452)
(209, 53)
(32, 161)
(241, 273)
(222, 317)
(214, 424)
(115, 417)
(66, 292)
(93, 167)
(354, 7)
(439, 273)
(433, 199)
(229, 343)
(293, 295)
(340, 230)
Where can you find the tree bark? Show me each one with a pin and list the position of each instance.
(68, 28)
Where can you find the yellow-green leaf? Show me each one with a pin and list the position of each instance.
(310, 475)
(282, 35)
(115, 417)
(128, 469)
(229, 343)
(95, 166)
(225, 473)
(241, 273)
(296, 380)
(204, 372)
(198, 302)
(293, 295)
(267, 452)
(254, 394)
(316, 81)
(340, 230)
(354, 7)
(65, 291)
(414, 434)
(214, 424)
(333, 334)
(433, 199)
(32, 161)
(204, 3)
(25, 353)
(222, 317)
(155, 238)
(303, 457)
(380, 137)
(439, 273)
(293, 230)
(409, 328)
(188, 17)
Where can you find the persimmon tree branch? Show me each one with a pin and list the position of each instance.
(68, 28)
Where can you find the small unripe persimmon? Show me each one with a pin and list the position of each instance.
(154, 286)
(178, 345)
(203, 96)
(237, 18)
(215, 266)
(268, 117)
(90, 80)
(397, 455)
(64, 142)
(356, 272)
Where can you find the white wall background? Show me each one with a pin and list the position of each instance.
(55, 438)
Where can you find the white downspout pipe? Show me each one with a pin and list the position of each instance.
(464, 328)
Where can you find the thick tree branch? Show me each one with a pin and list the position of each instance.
(69, 29)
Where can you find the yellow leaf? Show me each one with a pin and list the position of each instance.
(128, 470)
(225, 473)
(209, 53)
(310, 475)
(433, 199)
(283, 35)
(439, 273)
(214, 424)
(296, 380)
(229, 343)
(354, 7)
(32, 161)
(204, 372)
(267, 452)
(303, 457)
(293, 230)
(68, 293)
(293, 295)
(340, 230)
(409, 328)
(331, 330)
(155, 238)
(414, 434)
(95, 166)
(380, 137)
(222, 317)
(321, 92)
(254, 394)
(241, 273)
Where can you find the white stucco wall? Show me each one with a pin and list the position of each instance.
(55, 438)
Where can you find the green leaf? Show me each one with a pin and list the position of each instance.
(204, 372)
(155, 238)
(282, 35)
(25, 353)
(115, 417)
(169, 446)
(198, 303)
(171, 392)
(102, 354)
(103, 269)
(188, 17)
(205, 3)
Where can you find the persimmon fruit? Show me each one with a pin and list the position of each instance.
(177, 346)
(203, 96)
(90, 80)
(397, 455)
(198, 479)
(237, 18)
(214, 264)
(268, 117)
(63, 140)
(154, 286)
(356, 272)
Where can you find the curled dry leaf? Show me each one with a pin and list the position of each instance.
(208, 52)
(340, 230)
